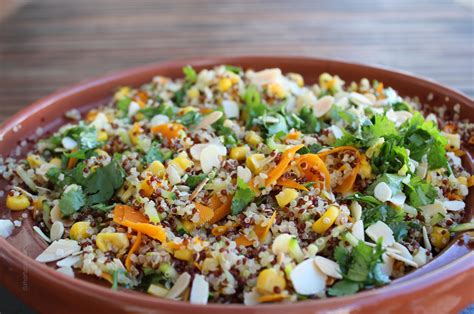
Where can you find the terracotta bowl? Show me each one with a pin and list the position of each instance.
(444, 285)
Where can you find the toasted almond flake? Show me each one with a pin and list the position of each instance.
(196, 150)
(398, 199)
(181, 284)
(426, 240)
(6, 228)
(381, 230)
(67, 270)
(244, 173)
(323, 105)
(57, 250)
(41, 234)
(101, 122)
(68, 143)
(401, 250)
(359, 99)
(358, 230)
(210, 158)
(328, 267)
(231, 109)
(432, 210)
(133, 108)
(420, 257)
(199, 290)
(403, 259)
(356, 210)
(307, 279)
(57, 231)
(210, 119)
(387, 266)
(69, 261)
(398, 116)
(159, 119)
(198, 189)
(266, 76)
(382, 192)
(281, 243)
(454, 206)
(173, 175)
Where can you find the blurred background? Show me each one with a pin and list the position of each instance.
(50, 44)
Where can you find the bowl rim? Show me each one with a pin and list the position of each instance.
(83, 287)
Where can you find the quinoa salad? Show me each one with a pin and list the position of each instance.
(241, 186)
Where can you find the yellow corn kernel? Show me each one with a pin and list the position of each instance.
(112, 241)
(134, 132)
(122, 92)
(286, 196)
(253, 138)
(326, 220)
(181, 163)
(156, 168)
(268, 280)
(188, 226)
(454, 140)
(56, 162)
(102, 136)
(255, 162)
(34, 161)
(325, 80)
(81, 230)
(101, 152)
(19, 202)
(276, 90)
(38, 203)
(239, 153)
(297, 78)
(184, 254)
(462, 180)
(193, 93)
(146, 187)
(440, 237)
(470, 181)
(365, 170)
(187, 109)
(224, 84)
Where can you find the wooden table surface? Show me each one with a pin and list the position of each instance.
(49, 44)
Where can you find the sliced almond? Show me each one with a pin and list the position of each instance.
(358, 230)
(426, 239)
(41, 234)
(281, 243)
(244, 173)
(264, 77)
(181, 284)
(382, 192)
(68, 271)
(69, 261)
(328, 267)
(387, 266)
(356, 210)
(400, 258)
(210, 158)
(6, 228)
(58, 250)
(173, 175)
(209, 120)
(398, 199)
(420, 257)
(323, 105)
(432, 210)
(381, 230)
(307, 279)
(159, 119)
(231, 109)
(68, 143)
(199, 290)
(398, 116)
(454, 206)
(359, 99)
(251, 298)
(401, 250)
(57, 231)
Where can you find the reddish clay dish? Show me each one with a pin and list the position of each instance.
(438, 281)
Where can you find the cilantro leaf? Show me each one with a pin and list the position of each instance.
(190, 74)
(190, 118)
(101, 185)
(123, 104)
(394, 218)
(344, 287)
(311, 124)
(420, 192)
(155, 153)
(391, 157)
(254, 107)
(193, 181)
(394, 181)
(243, 196)
(233, 68)
(163, 108)
(72, 200)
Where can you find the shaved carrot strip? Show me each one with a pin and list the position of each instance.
(168, 130)
(205, 213)
(129, 217)
(348, 183)
(220, 230)
(107, 277)
(293, 135)
(128, 260)
(243, 240)
(279, 170)
(287, 183)
(262, 231)
(222, 211)
(308, 164)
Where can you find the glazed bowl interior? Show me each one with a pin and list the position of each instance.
(17, 253)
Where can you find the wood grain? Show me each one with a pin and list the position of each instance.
(49, 44)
